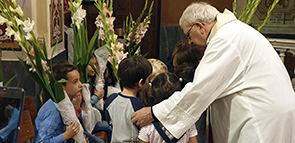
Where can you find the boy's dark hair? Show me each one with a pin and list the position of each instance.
(132, 69)
(61, 69)
(186, 72)
(161, 88)
(184, 52)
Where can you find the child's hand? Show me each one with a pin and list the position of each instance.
(71, 130)
(87, 140)
(99, 94)
(77, 100)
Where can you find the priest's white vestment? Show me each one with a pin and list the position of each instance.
(246, 83)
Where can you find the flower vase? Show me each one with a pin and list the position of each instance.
(67, 111)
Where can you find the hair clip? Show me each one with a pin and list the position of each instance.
(180, 79)
(150, 84)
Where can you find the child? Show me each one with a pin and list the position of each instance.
(158, 65)
(184, 52)
(190, 55)
(49, 124)
(132, 72)
(111, 83)
(96, 96)
(186, 72)
(155, 91)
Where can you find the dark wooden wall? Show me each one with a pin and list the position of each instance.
(171, 10)
(165, 13)
(122, 8)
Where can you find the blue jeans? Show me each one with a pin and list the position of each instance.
(91, 138)
(103, 126)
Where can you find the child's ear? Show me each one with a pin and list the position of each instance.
(140, 83)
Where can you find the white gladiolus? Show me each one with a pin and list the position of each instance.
(17, 36)
(28, 25)
(77, 5)
(18, 21)
(19, 11)
(79, 16)
(3, 20)
(29, 36)
(79, 1)
(9, 31)
(13, 2)
(11, 9)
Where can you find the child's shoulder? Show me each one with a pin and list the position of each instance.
(49, 109)
(48, 105)
(111, 98)
(136, 103)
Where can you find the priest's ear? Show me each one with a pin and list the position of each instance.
(200, 24)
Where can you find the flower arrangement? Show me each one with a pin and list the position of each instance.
(83, 50)
(133, 33)
(37, 63)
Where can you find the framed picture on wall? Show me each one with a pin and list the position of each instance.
(6, 41)
(282, 19)
(56, 22)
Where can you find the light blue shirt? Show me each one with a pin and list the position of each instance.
(49, 124)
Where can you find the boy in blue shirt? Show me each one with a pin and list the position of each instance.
(49, 125)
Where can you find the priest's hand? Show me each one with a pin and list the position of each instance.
(142, 117)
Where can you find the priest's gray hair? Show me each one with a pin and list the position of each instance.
(198, 12)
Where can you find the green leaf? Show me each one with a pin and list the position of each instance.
(93, 39)
(92, 66)
(62, 81)
(9, 81)
(45, 50)
(58, 91)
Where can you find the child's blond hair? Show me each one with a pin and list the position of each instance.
(158, 66)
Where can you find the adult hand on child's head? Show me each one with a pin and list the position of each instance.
(77, 100)
(99, 93)
(72, 130)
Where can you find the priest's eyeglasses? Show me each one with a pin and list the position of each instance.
(187, 35)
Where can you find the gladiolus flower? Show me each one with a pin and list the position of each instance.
(9, 31)
(79, 16)
(28, 25)
(98, 21)
(19, 11)
(101, 34)
(3, 20)
(29, 36)
(14, 3)
(77, 5)
(18, 21)
(17, 36)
